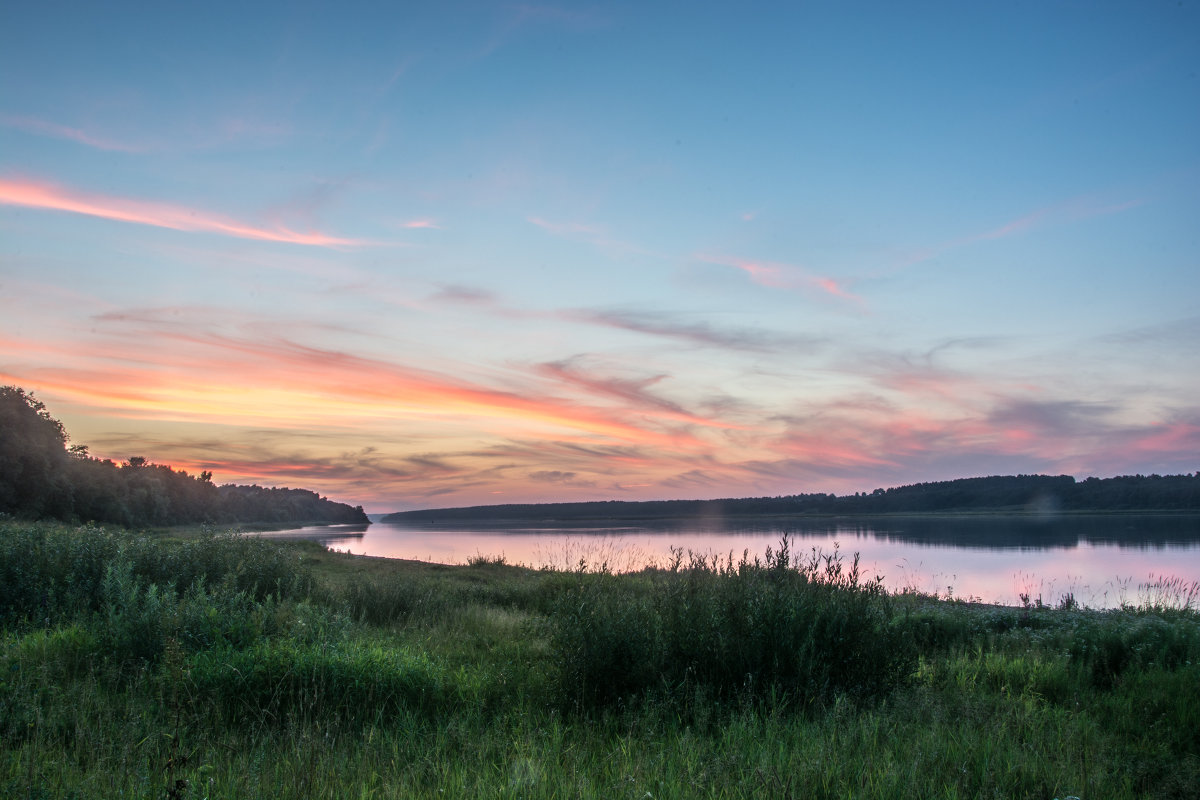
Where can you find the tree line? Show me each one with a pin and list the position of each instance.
(41, 477)
(1032, 493)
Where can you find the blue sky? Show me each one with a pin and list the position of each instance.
(470, 253)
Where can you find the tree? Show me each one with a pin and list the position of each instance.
(32, 457)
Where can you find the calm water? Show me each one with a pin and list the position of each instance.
(1102, 560)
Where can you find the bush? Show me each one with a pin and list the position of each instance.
(1105, 648)
(802, 630)
(50, 571)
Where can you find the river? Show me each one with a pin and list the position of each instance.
(1102, 561)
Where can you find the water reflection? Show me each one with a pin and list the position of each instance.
(1101, 560)
(328, 535)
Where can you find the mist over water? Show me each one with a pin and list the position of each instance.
(1102, 561)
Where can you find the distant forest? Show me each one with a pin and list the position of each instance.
(40, 477)
(1031, 493)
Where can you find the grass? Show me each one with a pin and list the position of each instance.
(208, 666)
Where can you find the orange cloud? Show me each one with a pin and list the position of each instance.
(172, 372)
(37, 194)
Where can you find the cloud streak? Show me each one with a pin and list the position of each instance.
(633, 391)
(247, 379)
(651, 323)
(51, 197)
(778, 275)
(40, 127)
(702, 333)
(1076, 209)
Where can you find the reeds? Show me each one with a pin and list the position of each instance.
(137, 666)
(780, 629)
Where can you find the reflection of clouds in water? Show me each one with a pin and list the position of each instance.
(1095, 573)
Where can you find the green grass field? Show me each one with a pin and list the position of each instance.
(220, 666)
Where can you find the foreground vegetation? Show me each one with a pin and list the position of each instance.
(141, 665)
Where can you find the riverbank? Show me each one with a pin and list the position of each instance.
(231, 666)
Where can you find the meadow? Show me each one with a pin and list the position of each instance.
(215, 665)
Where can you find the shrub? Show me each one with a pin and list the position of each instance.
(803, 630)
(48, 571)
(1106, 647)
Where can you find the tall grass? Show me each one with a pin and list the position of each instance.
(50, 570)
(136, 666)
(784, 629)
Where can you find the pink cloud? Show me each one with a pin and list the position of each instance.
(1178, 437)
(632, 391)
(831, 450)
(836, 289)
(777, 275)
(415, 224)
(38, 194)
(204, 375)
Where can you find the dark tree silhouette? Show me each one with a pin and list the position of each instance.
(32, 456)
(40, 477)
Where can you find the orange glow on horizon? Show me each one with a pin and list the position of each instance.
(292, 385)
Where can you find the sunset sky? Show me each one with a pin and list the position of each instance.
(420, 255)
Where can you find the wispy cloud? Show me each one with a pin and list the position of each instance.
(659, 324)
(522, 16)
(581, 427)
(1076, 209)
(419, 224)
(48, 196)
(1174, 333)
(469, 295)
(651, 323)
(193, 372)
(590, 233)
(560, 478)
(278, 458)
(41, 127)
(778, 275)
(633, 391)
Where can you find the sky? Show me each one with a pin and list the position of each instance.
(416, 255)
